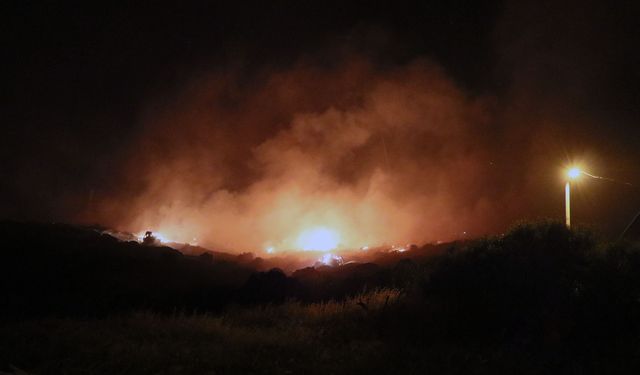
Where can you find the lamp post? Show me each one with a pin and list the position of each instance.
(572, 174)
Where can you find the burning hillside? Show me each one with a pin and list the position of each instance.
(313, 159)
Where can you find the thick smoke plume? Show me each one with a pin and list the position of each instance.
(381, 156)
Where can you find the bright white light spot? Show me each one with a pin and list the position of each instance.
(331, 259)
(318, 239)
(159, 237)
(574, 172)
(400, 249)
(270, 250)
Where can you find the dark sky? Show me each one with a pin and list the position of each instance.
(79, 80)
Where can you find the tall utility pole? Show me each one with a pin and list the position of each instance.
(567, 203)
(572, 174)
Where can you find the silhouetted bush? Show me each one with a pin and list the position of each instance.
(539, 299)
(264, 287)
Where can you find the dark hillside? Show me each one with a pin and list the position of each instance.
(64, 270)
(540, 299)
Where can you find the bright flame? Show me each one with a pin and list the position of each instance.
(574, 173)
(156, 235)
(329, 259)
(161, 237)
(319, 239)
(400, 249)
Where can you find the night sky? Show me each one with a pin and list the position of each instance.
(200, 115)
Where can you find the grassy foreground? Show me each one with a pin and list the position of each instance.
(333, 337)
(540, 299)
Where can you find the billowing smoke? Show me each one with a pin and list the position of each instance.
(243, 142)
(380, 156)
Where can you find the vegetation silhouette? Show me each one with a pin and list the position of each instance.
(539, 299)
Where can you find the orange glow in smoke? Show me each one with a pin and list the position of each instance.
(157, 235)
(318, 170)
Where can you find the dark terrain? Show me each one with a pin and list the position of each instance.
(540, 299)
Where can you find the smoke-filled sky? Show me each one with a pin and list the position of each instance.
(239, 126)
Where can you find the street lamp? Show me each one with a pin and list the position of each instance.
(572, 174)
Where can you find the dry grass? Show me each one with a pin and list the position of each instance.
(330, 337)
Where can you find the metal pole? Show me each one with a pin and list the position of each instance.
(567, 203)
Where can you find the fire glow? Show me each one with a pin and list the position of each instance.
(156, 235)
(318, 239)
(324, 172)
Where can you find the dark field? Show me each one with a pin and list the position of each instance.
(540, 299)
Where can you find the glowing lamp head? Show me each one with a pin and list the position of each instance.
(574, 173)
(318, 239)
